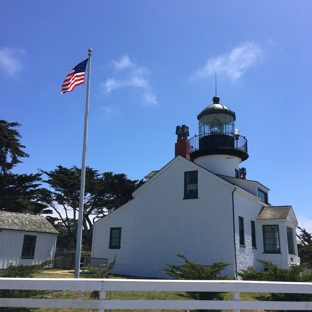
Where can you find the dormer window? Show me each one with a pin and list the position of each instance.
(263, 196)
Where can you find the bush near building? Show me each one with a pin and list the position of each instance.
(271, 272)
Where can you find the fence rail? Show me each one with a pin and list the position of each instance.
(105, 285)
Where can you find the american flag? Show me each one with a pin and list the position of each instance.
(75, 77)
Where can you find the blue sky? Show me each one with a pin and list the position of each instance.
(153, 68)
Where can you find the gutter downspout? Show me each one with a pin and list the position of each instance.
(233, 212)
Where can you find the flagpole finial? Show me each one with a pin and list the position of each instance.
(90, 51)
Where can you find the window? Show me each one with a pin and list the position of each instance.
(29, 245)
(271, 240)
(114, 238)
(290, 240)
(241, 231)
(253, 234)
(263, 196)
(191, 184)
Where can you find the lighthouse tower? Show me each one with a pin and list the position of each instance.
(219, 147)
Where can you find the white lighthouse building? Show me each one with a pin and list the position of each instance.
(201, 205)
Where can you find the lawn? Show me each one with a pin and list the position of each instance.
(121, 295)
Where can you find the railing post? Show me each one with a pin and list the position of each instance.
(235, 297)
(102, 297)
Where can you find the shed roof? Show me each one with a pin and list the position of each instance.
(274, 212)
(25, 222)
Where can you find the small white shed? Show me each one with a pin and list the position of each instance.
(25, 239)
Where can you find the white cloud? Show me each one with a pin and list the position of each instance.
(234, 64)
(149, 99)
(11, 60)
(129, 75)
(108, 109)
(110, 85)
(137, 81)
(123, 63)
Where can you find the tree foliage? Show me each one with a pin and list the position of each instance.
(18, 192)
(21, 193)
(66, 240)
(305, 247)
(104, 192)
(10, 147)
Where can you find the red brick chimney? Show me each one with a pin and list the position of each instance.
(182, 147)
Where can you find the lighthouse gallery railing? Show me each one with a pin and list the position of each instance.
(219, 141)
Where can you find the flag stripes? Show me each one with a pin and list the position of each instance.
(75, 77)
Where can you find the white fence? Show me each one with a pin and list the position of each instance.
(107, 285)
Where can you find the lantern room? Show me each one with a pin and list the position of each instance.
(216, 126)
(218, 144)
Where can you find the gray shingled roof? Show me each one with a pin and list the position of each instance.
(274, 212)
(25, 222)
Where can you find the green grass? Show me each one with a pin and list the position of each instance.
(55, 273)
(115, 295)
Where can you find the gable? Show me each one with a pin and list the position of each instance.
(277, 212)
(180, 164)
(292, 217)
(120, 210)
(25, 222)
(165, 190)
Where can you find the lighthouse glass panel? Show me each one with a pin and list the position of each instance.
(190, 184)
(216, 124)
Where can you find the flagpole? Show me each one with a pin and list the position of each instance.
(83, 174)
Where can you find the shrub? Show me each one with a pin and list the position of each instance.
(192, 271)
(272, 272)
(84, 253)
(20, 271)
(99, 273)
(24, 270)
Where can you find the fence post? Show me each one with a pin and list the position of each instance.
(102, 297)
(235, 297)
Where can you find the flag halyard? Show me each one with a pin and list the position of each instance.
(75, 77)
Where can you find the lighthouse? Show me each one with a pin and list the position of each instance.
(200, 204)
(218, 146)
